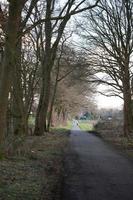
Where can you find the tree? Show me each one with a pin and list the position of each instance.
(110, 35)
(15, 10)
(21, 19)
(9, 69)
(53, 34)
(73, 95)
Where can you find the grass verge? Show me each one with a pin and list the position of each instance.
(86, 125)
(112, 133)
(35, 172)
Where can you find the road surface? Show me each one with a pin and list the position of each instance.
(95, 171)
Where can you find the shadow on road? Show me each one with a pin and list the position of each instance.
(95, 171)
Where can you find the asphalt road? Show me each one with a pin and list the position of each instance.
(95, 171)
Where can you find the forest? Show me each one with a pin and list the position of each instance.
(41, 71)
(53, 56)
(44, 72)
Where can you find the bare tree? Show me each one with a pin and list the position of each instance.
(15, 9)
(53, 34)
(13, 32)
(17, 25)
(110, 35)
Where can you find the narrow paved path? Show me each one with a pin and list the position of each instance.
(95, 171)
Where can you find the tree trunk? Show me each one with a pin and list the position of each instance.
(39, 122)
(15, 9)
(64, 117)
(128, 118)
(51, 108)
(53, 97)
(18, 107)
(41, 116)
(127, 114)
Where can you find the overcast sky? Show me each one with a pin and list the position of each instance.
(108, 102)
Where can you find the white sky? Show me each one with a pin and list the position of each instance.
(108, 102)
(3, 1)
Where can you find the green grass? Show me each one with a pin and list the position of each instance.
(31, 120)
(2, 156)
(83, 124)
(62, 128)
(86, 125)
